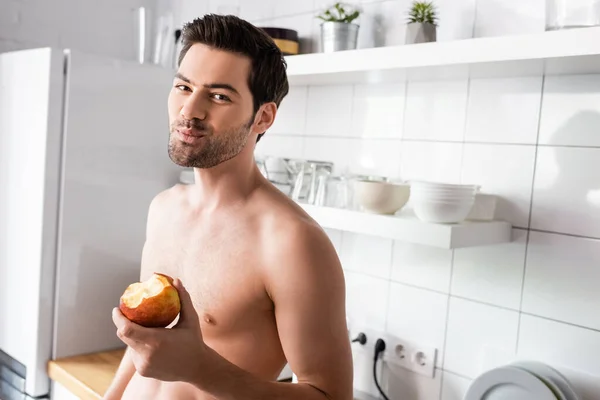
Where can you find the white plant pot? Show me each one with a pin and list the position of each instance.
(420, 33)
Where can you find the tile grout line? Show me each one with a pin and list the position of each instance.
(458, 375)
(531, 199)
(587, 328)
(447, 324)
(573, 235)
(464, 134)
(387, 312)
(403, 132)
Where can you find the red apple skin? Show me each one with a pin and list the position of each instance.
(157, 311)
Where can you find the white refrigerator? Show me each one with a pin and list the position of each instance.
(83, 150)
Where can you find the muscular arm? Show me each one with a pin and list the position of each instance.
(306, 284)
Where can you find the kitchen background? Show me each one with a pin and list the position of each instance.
(534, 141)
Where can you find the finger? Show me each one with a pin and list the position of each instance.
(129, 332)
(188, 317)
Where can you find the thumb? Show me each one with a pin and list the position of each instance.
(188, 317)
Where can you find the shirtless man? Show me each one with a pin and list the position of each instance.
(263, 284)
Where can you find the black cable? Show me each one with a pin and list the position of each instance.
(379, 348)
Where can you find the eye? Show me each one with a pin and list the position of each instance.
(183, 88)
(220, 97)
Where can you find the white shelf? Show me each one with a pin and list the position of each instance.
(409, 229)
(572, 51)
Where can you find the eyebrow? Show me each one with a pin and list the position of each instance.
(225, 86)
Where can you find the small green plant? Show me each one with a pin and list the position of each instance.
(339, 13)
(423, 12)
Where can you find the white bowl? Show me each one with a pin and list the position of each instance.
(445, 212)
(443, 190)
(381, 197)
(445, 186)
(426, 195)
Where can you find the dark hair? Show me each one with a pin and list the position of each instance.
(268, 78)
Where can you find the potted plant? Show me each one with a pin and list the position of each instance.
(338, 32)
(422, 23)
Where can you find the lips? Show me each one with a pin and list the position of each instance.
(189, 132)
(188, 136)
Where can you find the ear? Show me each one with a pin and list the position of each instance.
(265, 116)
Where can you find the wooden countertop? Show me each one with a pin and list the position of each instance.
(87, 376)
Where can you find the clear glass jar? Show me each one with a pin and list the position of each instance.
(564, 14)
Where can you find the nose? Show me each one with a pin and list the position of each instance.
(194, 107)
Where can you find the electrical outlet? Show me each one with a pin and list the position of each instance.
(409, 355)
(415, 357)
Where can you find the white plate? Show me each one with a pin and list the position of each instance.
(552, 377)
(508, 383)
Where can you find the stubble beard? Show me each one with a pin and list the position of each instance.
(215, 150)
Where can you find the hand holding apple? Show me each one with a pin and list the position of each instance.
(153, 303)
(176, 354)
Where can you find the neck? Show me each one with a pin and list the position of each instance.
(228, 183)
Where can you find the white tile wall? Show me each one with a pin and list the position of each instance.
(479, 337)
(504, 110)
(280, 146)
(570, 113)
(491, 274)
(422, 266)
(567, 191)
(565, 265)
(366, 301)
(291, 115)
(379, 23)
(431, 161)
(454, 387)
(419, 316)
(406, 385)
(457, 19)
(509, 17)
(436, 110)
(506, 171)
(376, 157)
(367, 254)
(329, 111)
(336, 150)
(378, 111)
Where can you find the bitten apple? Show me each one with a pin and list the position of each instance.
(153, 303)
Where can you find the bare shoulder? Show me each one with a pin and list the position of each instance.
(165, 201)
(167, 197)
(293, 244)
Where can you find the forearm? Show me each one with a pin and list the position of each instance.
(226, 381)
(122, 377)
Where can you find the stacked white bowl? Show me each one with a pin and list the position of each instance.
(442, 202)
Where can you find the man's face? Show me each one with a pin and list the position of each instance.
(210, 108)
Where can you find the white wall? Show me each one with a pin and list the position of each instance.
(531, 140)
(106, 27)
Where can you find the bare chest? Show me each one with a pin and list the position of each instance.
(219, 266)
